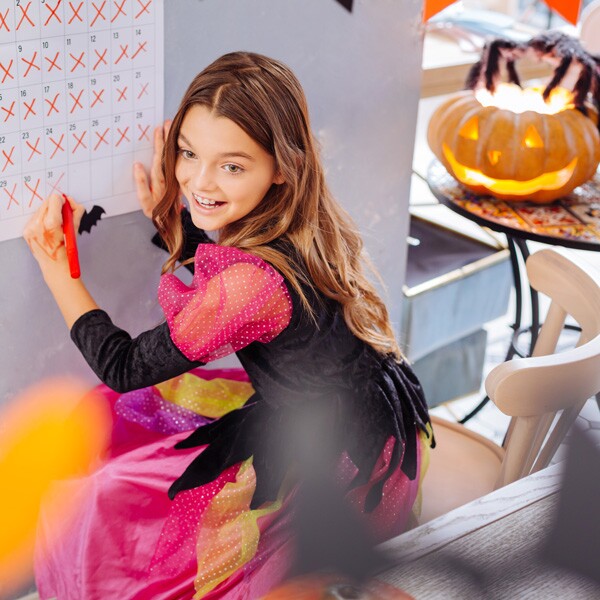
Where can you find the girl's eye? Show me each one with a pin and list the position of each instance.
(233, 168)
(187, 153)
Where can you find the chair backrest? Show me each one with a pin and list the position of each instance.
(544, 393)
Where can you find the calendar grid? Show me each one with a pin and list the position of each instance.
(80, 92)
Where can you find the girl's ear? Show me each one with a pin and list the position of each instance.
(278, 179)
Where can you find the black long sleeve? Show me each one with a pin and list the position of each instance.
(123, 363)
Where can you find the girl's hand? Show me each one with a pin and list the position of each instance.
(150, 190)
(44, 235)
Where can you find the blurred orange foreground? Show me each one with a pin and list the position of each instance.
(54, 430)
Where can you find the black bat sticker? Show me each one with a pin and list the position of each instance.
(91, 218)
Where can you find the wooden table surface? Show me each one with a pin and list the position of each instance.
(487, 549)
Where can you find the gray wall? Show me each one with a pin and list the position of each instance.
(361, 73)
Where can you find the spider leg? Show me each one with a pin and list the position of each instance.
(596, 94)
(495, 52)
(559, 74)
(513, 76)
(473, 75)
(582, 87)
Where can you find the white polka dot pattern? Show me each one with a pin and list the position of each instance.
(235, 299)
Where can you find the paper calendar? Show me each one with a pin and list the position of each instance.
(81, 89)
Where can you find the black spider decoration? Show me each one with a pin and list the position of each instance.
(554, 47)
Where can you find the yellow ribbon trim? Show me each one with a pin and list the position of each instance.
(212, 399)
(229, 533)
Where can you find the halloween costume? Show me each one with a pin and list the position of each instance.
(222, 443)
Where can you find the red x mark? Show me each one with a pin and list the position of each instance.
(144, 7)
(6, 70)
(57, 145)
(53, 62)
(3, 22)
(99, 13)
(33, 148)
(56, 183)
(143, 132)
(98, 98)
(141, 46)
(52, 12)
(80, 141)
(123, 136)
(143, 91)
(121, 93)
(123, 53)
(11, 196)
(34, 192)
(29, 108)
(75, 12)
(52, 105)
(9, 111)
(24, 15)
(101, 138)
(76, 100)
(120, 10)
(8, 158)
(31, 64)
(78, 61)
(101, 58)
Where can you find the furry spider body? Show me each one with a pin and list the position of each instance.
(554, 47)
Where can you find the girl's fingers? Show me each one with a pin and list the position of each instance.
(143, 191)
(157, 180)
(33, 225)
(159, 144)
(44, 228)
(150, 188)
(78, 211)
(53, 217)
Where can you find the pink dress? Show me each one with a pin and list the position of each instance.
(126, 539)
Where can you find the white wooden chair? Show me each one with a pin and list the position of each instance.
(543, 393)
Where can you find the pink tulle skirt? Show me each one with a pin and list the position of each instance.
(125, 540)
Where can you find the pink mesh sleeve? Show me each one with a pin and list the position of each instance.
(234, 299)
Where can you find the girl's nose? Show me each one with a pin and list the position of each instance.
(203, 179)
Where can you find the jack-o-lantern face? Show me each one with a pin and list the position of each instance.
(515, 155)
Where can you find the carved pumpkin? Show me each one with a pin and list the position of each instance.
(513, 145)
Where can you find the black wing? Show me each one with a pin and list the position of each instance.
(91, 218)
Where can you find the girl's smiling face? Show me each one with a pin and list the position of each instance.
(222, 171)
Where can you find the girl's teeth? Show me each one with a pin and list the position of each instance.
(205, 202)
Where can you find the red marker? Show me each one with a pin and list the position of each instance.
(70, 240)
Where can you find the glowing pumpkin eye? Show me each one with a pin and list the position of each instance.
(494, 156)
(532, 138)
(470, 130)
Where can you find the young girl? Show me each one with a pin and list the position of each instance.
(174, 515)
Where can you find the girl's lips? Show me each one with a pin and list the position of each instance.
(206, 203)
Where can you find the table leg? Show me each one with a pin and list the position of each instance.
(518, 250)
(535, 303)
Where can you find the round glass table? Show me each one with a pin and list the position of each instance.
(572, 221)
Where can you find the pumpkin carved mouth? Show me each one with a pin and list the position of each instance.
(547, 181)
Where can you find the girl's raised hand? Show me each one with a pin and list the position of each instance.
(44, 234)
(151, 189)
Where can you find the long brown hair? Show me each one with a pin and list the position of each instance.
(264, 98)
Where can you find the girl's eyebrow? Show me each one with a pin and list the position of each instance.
(237, 154)
(184, 139)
